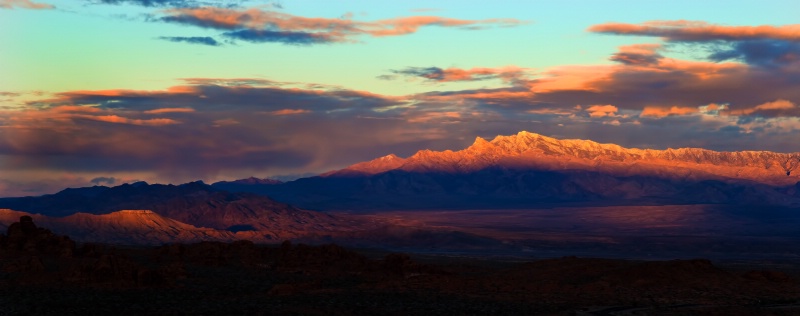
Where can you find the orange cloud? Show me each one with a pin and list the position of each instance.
(774, 105)
(225, 122)
(76, 108)
(26, 4)
(276, 24)
(654, 111)
(640, 48)
(169, 110)
(124, 120)
(407, 25)
(683, 30)
(87, 95)
(289, 112)
(431, 116)
(570, 78)
(483, 95)
(602, 110)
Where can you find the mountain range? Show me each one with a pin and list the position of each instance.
(521, 171)
(531, 170)
(152, 213)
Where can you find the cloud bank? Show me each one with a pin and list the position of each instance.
(260, 26)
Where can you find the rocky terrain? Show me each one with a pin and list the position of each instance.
(46, 274)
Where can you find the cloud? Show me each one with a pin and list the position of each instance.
(237, 127)
(766, 53)
(507, 74)
(225, 122)
(124, 120)
(206, 128)
(169, 3)
(652, 111)
(778, 106)
(202, 40)
(646, 90)
(25, 4)
(602, 110)
(256, 25)
(638, 54)
(289, 112)
(169, 110)
(763, 45)
(108, 181)
(224, 128)
(699, 31)
(283, 37)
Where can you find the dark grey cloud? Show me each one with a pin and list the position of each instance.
(283, 37)
(631, 58)
(203, 130)
(171, 3)
(430, 73)
(201, 40)
(764, 52)
(107, 181)
(764, 46)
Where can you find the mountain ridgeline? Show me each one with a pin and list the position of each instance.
(142, 213)
(530, 170)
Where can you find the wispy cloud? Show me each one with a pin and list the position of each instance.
(170, 3)
(763, 45)
(289, 112)
(699, 31)
(257, 25)
(202, 40)
(24, 4)
(436, 74)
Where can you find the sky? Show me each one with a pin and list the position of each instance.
(104, 92)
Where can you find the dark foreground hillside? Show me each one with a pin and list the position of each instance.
(45, 274)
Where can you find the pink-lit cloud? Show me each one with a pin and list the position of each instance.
(602, 110)
(257, 25)
(288, 112)
(683, 30)
(653, 111)
(25, 4)
(773, 106)
(169, 110)
(124, 120)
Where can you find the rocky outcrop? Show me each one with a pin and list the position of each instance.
(27, 237)
(37, 256)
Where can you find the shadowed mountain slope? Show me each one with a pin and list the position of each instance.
(195, 204)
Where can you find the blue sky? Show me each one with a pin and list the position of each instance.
(180, 90)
